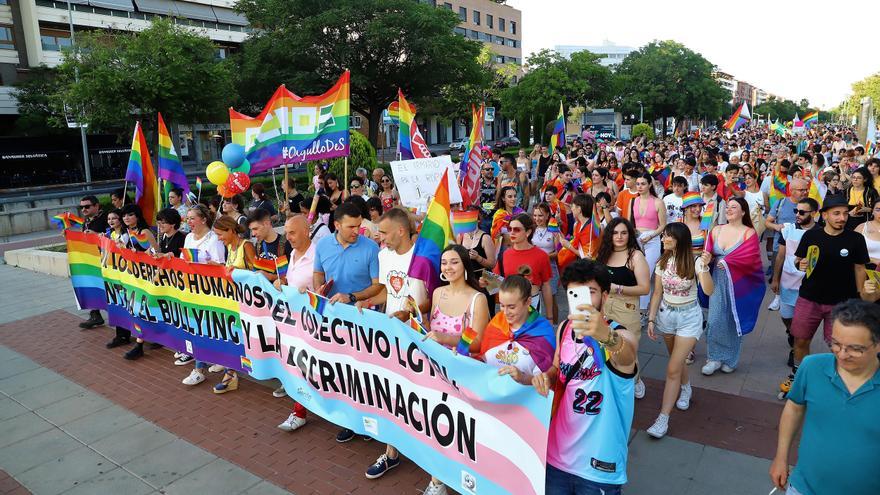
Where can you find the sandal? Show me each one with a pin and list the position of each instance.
(228, 384)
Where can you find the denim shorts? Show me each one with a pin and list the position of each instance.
(684, 321)
(559, 482)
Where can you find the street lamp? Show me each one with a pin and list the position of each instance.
(82, 129)
(641, 113)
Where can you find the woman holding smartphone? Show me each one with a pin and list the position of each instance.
(676, 314)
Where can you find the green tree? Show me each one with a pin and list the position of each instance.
(115, 78)
(386, 44)
(671, 81)
(550, 79)
(455, 99)
(643, 130)
(38, 114)
(869, 86)
(361, 154)
(784, 110)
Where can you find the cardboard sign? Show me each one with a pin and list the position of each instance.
(416, 180)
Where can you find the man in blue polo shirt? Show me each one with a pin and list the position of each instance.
(351, 262)
(835, 398)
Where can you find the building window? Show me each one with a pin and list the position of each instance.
(460, 30)
(499, 59)
(490, 21)
(6, 40)
(511, 43)
(54, 40)
(477, 17)
(499, 40)
(474, 34)
(447, 5)
(462, 14)
(355, 122)
(502, 24)
(4, 2)
(512, 27)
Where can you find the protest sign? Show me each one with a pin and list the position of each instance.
(478, 432)
(417, 179)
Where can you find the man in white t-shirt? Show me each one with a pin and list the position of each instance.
(396, 231)
(673, 200)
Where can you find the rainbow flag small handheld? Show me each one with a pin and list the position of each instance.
(553, 226)
(141, 238)
(281, 264)
(246, 364)
(199, 183)
(317, 302)
(464, 222)
(190, 254)
(265, 265)
(708, 216)
(464, 343)
(67, 220)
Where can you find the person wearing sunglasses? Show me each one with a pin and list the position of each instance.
(388, 193)
(837, 450)
(94, 221)
(871, 231)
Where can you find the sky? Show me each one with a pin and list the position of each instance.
(818, 58)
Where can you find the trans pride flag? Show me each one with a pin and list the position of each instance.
(435, 235)
(170, 167)
(295, 129)
(410, 142)
(140, 172)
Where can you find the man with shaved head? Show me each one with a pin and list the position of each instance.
(300, 272)
(783, 212)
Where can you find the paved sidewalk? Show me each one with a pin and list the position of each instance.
(76, 396)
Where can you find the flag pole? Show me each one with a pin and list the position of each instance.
(345, 180)
(125, 192)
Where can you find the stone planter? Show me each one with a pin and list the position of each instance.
(37, 260)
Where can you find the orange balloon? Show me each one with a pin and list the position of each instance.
(223, 191)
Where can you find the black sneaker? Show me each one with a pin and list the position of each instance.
(136, 352)
(92, 323)
(118, 341)
(344, 435)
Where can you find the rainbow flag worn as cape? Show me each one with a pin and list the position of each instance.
(501, 220)
(67, 220)
(745, 276)
(140, 172)
(435, 235)
(190, 254)
(810, 119)
(557, 139)
(410, 142)
(464, 222)
(536, 335)
(170, 167)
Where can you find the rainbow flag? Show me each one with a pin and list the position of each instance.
(416, 325)
(553, 225)
(265, 265)
(84, 259)
(295, 129)
(779, 188)
(472, 160)
(190, 254)
(708, 216)
(317, 302)
(141, 238)
(818, 190)
(281, 264)
(410, 143)
(138, 329)
(596, 223)
(464, 343)
(435, 235)
(246, 364)
(557, 139)
(739, 117)
(170, 167)
(464, 222)
(67, 220)
(140, 172)
(199, 183)
(810, 119)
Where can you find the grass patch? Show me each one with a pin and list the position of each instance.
(56, 248)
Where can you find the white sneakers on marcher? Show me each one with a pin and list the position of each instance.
(194, 378)
(684, 398)
(639, 389)
(711, 367)
(660, 426)
(774, 304)
(292, 423)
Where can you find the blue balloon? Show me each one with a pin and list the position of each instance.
(233, 155)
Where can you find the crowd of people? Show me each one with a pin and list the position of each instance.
(652, 231)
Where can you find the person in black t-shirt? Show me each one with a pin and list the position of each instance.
(270, 245)
(837, 274)
(170, 239)
(294, 197)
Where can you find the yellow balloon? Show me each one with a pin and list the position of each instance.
(217, 173)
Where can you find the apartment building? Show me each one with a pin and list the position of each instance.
(611, 53)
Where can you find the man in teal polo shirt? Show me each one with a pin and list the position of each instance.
(835, 398)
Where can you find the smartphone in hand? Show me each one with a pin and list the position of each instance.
(578, 296)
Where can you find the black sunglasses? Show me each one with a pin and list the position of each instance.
(802, 212)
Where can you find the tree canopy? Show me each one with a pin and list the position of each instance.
(784, 110)
(386, 44)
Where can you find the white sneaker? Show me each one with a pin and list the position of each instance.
(711, 367)
(279, 392)
(660, 427)
(640, 389)
(194, 378)
(774, 304)
(216, 368)
(177, 355)
(433, 489)
(684, 398)
(727, 369)
(292, 422)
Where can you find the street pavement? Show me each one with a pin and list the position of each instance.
(77, 418)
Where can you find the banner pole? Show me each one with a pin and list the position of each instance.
(345, 180)
(124, 193)
(286, 190)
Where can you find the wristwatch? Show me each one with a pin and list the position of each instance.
(352, 299)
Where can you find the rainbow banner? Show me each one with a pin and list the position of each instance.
(435, 235)
(292, 130)
(140, 172)
(557, 139)
(410, 142)
(84, 261)
(452, 415)
(739, 117)
(810, 119)
(170, 167)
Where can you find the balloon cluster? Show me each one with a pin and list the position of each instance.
(231, 175)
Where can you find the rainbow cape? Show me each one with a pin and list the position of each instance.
(810, 119)
(140, 172)
(141, 238)
(295, 129)
(744, 275)
(67, 220)
(410, 142)
(472, 160)
(170, 167)
(435, 235)
(536, 335)
(739, 117)
(464, 222)
(501, 220)
(190, 254)
(557, 139)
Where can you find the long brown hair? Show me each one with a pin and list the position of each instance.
(683, 253)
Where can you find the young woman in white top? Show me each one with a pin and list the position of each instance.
(675, 313)
(871, 231)
(545, 240)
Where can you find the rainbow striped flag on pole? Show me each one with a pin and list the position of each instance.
(170, 167)
(67, 220)
(410, 142)
(739, 117)
(140, 172)
(557, 139)
(810, 119)
(435, 235)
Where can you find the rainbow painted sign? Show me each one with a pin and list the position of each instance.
(452, 415)
(292, 130)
